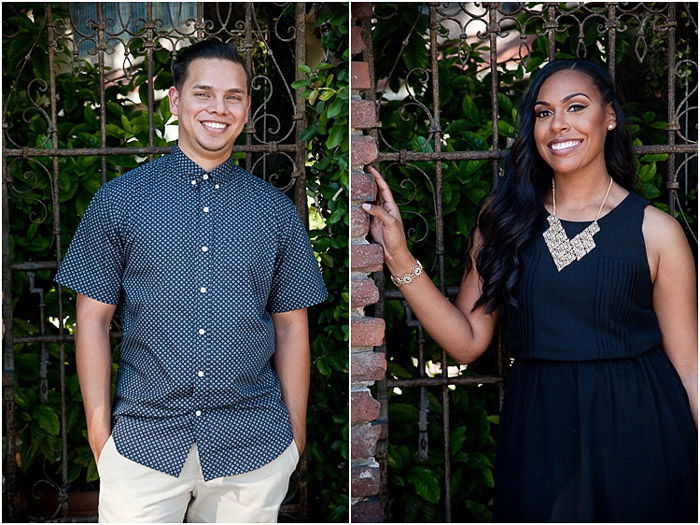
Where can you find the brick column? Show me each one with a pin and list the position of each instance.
(367, 365)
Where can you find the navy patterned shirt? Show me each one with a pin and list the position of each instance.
(197, 262)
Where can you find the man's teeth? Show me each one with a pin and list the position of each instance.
(564, 145)
(216, 125)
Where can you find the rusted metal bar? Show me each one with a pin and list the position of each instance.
(10, 492)
(493, 30)
(300, 115)
(611, 25)
(249, 129)
(272, 147)
(440, 252)
(150, 44)
(418, 156)
(55, 200)
(672, 119)
(443, 381)
(551, 27)
(33, 266)
(199, 25)
(101, 48)
(65, 338)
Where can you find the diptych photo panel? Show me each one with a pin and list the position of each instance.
(349, 262)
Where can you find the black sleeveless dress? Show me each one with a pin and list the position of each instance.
(596, 425)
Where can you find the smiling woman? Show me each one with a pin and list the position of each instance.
(598, 418)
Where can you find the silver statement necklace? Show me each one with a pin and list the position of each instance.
(564, 251)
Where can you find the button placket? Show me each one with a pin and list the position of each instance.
(201, 289)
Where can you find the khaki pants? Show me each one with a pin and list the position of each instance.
(131, 492)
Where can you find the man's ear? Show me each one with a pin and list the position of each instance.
(174, 98)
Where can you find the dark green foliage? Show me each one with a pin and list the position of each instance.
(401, 43)
(26, 104)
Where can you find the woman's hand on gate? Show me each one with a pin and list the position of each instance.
(386, 226)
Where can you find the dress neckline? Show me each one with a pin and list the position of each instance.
(619, 205)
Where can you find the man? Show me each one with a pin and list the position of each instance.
(211, 271)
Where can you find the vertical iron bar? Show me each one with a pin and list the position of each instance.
(551, 25)
(300, 115)
(10, 494)
(440, 246)
(150, 34)
(101, 48)
(248, 45)
(493, 56)
(672, 126)
(200, 21)
(612, 25)
(53, 131)
(423, 444)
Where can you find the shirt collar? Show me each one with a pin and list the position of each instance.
(188, 168)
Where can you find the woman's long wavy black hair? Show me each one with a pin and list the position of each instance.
(507, 219)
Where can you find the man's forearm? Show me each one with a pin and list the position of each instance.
(93, 356)
(292, 363)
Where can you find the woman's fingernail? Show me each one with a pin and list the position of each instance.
(366, 206)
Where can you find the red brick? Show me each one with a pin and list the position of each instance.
(359, 222)
(367, 331)
(367, 366)
(363, 187)
(357, 45)
(364, 440)
(366, 257)
(363, 407)
(365, 481)
(359, 75)
(367, 511)
(363, 292)
(364, 150)
(361, 11)
(363, 114)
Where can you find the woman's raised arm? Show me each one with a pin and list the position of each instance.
(464, 334)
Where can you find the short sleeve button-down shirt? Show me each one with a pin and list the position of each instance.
(196, 263)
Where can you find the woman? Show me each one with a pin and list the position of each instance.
(597, 290)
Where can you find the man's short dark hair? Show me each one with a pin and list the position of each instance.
(206, 49)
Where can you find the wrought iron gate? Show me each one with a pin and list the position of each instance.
(427, 158)
(112, 45)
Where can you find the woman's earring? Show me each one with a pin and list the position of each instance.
(611, 126)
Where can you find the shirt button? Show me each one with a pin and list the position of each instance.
(203, 289)
(205, 209)
(205, 176)
(202, 331)
(198, 413)
(200, 373)
(194, 182)
(205, 249)
(216, 186)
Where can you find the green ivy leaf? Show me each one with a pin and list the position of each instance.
(426, 484)
(47, 419)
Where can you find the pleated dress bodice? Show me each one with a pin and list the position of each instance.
(599, 307)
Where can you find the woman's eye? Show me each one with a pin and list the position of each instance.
(576, 107)
(542, 113)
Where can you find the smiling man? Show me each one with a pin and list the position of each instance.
(211, 272)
